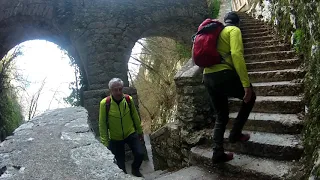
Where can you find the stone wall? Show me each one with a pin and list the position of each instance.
(57, 145)
(299, 22)
(166, 148)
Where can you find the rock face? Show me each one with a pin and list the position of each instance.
(57, 145)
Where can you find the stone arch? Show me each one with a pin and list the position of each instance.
(20, 22)
(100, 34)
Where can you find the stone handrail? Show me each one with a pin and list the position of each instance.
(238, 5)
(193, 104)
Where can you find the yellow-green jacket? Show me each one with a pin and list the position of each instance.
(230, 40)
(120, 121)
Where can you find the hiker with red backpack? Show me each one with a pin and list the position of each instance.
(119, 124)
(219, 50)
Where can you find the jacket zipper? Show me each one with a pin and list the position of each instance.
(121, 121)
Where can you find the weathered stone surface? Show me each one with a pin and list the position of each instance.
(272, 123)
(314, 175)
(166, 147)
(258, 39)
(264, 49)
(276, 75)
(267, 56)
(251, 168)
(261, 144)
(57, 145)
(272, 104)
(256, 34)
(193, 173)
(281, 88)
(273, 65)
(252, 44)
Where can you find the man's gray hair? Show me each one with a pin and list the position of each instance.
(115, 80)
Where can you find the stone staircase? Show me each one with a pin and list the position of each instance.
(276, 121)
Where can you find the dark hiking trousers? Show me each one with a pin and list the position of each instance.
(221, 85)
(118, 149)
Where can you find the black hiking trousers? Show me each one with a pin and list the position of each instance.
(221, 85)
(118, 149)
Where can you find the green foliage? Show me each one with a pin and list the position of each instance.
(214, 8)
(11, 113)
(10, 110)
(298, 35)
(77, 87)
(183, 51)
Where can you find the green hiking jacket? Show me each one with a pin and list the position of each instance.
(230, 40)
(120, 121)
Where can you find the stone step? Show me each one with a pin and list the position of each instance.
(252, 23)
(254, 44)
(271, 104)
(262, 144)
(265, 49)
(269, 56)
(280, 88)
(244, 166)
(263, 29)
(192, 173)
(271, 123)
(257, 34)
(276, 75)
(254, 26)
(155, 174)
(273, 65)
(258, 39)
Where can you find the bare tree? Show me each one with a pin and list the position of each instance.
(33, 105)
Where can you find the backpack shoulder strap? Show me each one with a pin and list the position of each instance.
(108, 102)
(127, 97)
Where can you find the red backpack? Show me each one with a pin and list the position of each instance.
(204, 50)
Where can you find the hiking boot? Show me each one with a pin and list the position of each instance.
(240, 138)
(225, 157)
(136, 173)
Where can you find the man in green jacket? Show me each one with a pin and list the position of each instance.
(123, 127)
(229, 79)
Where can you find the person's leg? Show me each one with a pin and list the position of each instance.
(219, 102)
(138, 153)
(236, 90)
(117, 149)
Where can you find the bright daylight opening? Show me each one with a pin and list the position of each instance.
(44, 74)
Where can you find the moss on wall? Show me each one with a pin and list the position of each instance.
(300, 19)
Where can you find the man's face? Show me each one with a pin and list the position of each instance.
(116, 91)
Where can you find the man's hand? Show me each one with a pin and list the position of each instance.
(141, 137)
(247, 94)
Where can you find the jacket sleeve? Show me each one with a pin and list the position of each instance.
(236, 48)
(136, 118)
(104, 134)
